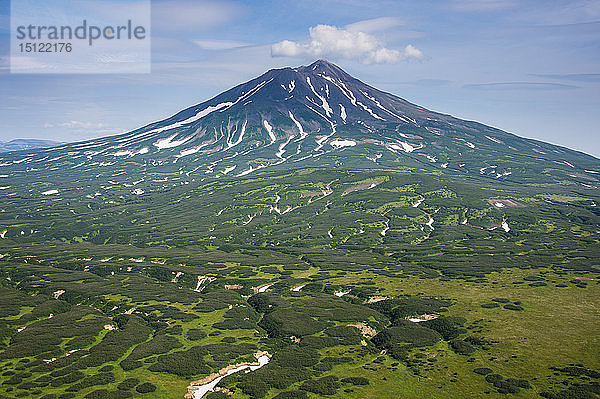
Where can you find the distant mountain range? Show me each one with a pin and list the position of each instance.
(26, 144)
(317, 116)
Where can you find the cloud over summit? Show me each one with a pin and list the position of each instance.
(343, 43)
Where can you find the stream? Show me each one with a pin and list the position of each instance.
(210, 386)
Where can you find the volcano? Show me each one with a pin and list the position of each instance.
(315, 116)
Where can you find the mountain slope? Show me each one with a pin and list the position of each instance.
(26, 144)
(314, 115)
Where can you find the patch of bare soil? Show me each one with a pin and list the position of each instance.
(364, 329)
(375, 299)
(365, 186)
(501, 204)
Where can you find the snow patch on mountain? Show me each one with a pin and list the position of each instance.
(239, 140)
(370, 111)
(298, 125)
(325, 105)
(130, 153)
(404, 146)
(269, 128)
(343, 113)
(385, 109)
(281, 151)
(229, 169)
(339, 143)
(170, 143)
(495, 140)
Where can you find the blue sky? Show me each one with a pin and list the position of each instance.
(529, 69)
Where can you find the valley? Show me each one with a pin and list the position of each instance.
(174, 259)
(336, 240)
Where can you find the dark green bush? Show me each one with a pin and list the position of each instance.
(400, 308)
(287, 322)
(519, 383)
(183, 363)
(216, 395)
(477, 341)
(292, 395)
(294, 356)
(356, 380)
(538, 284)
(128, 384)
(253, 387)
(578, 391)
(114, 345)
(482, 371)
(281, 377)
(461, 347)
(513, 307)
(323, 366)
(28, 385)
(160, 273)
(92, 380)
(577, 371)
(14, 380)
(508, 385)
(129, 364)
(145, 387)
(262, 303)
(67, 379)
(174, 330)
(216, 300)
(322, 386)
(319, 342)
(346, 334)
(490, 305)
(195, 334)
(406, 332)
(158, 345)
(492, 378)
(448, 327)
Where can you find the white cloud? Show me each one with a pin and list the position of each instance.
(219, 44)
(412, 52)
(81, 125)
(344, 43)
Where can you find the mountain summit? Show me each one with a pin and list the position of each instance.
(317, 115)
